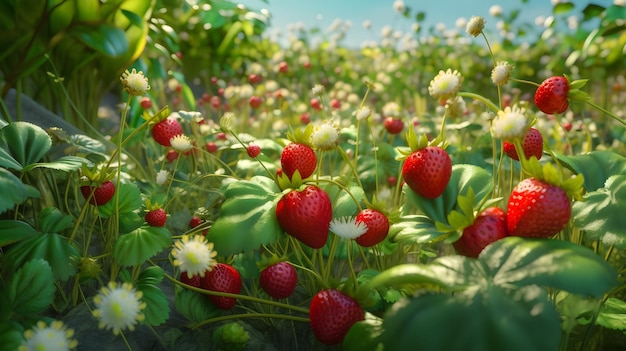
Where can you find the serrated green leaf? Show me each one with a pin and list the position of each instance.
(596, 167)
(151, 275)
(60, 255)
(129, 201)
(13, 190)
(12, 231)
(31, 288)
(25, 142)
(612, 314)
(601, 215)
(363, 335)
(517, 261)
(141, 244)
(64, 164)
(415, 229)
(51, 220)
(247, 217)
(194, 306)
(157, 308)
(530, 322)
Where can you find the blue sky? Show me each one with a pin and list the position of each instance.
(321, 13)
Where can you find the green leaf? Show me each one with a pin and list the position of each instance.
(247, 217)
(104, 38)
(363, 335)
(464, 177)
(7, 161)
(194, 306)
(31, 289)
(601, 215)
(517, 261)
(415, 229)
(151, 275)
(10, 335)
(497, 319)
(596, 167)
(25, 142)
(12, 231)
(562, 7)
(612, 314)
(345, 204)
(65, 164)
(13, 190)
(141, 244)
(51, 220)
(61, 256)
(157, 308)
(129, 201)
(592, 11)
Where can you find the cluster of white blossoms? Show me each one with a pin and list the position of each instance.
(194, 255)
(119, 307)
(445, 85)
(134, 82)
(347, 227)
(53, 337)
(510, 123)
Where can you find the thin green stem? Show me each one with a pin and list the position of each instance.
(252, 315)
(480, 98)
(605, 111)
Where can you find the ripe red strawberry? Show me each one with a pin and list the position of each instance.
(316, 104)
(165, 130)
(253, 150)
(427, 171)
(298, 156)
(377, 227)
(306, 215)
(222, 278)
(532, 145)
(255, 78)
(332, 314)
(279, 280)
(145, 103)
(393, 125)
(551, 96)
(488, 226)
(537, 209)
(196, 221)
(194, 280)
(156, 217)
(255, 102)
(101, 194)
(335, 104)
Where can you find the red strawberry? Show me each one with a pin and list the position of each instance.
(145, 103)
(165, 130)
(298, 156)
(488, 226)
(254, 78)
(335, 103)
(222, 278)
(196, 221)
(332, 314)
(316, 104)
(306, 215)
(551, 96)
(537, 209)
(255, 102)
(156, 217)
(393, 125)
(194, 280)
(279, 280)
(377, 227)
(427, 171)
(253, 150)
(532, 145)
(101, 194)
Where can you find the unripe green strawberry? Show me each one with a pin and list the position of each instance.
(532, 145)
(231, 337)
(489, 226)
(537, 209)
(551, 96)
(306, 215)
(279, 280)
(165, 130)
(222, 278)
(102, 193)
(332, 314)
(427, 171)
(377, 227)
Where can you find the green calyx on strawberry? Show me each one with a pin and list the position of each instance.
(332, 313)
(96, 185)
(427, 167)
(540, 206)
(155, 214)
(299, 156)
(305, 213)
(222, 278)
(555, 93)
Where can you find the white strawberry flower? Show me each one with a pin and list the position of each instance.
(510, 123)
(347, 227)
(194, 256)
(119, 307)
(53, 337)
(501, 73)
(181, 143)
(134, 82)
(475, 26)
(445, 84)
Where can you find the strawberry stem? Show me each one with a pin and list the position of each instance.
(249, 315)
(480, 98)
(603, 110)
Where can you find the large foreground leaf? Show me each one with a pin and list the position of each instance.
(24, 143)
(13, 190)
(596, 167)
(139, 245)
(247, 218)
(601, 215)
(12, 231)
(31, 289)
